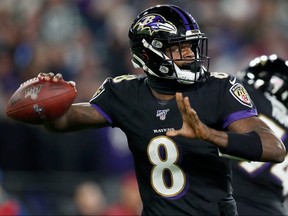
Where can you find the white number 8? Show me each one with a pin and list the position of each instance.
(165, 165)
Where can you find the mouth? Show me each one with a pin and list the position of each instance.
(193, 66)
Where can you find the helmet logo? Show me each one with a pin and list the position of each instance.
(154, 23)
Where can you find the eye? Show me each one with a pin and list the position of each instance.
(175, 49)
(194, 44)
(186, 46)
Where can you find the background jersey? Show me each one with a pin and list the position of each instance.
(176, 175)
(258, 181)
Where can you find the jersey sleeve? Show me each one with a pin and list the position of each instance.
(114, 99)
(237, 103)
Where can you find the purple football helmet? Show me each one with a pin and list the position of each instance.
(158, 28)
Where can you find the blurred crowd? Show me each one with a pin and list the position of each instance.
(86, 41)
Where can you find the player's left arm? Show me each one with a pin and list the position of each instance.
(273, 148)
(249, 138)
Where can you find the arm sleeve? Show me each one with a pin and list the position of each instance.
(114, 100)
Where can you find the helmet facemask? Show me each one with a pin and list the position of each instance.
(190, 70)
(159, 59)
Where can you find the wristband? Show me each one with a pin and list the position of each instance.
(247, 146)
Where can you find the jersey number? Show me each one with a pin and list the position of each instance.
(163, 154)
(124, 77)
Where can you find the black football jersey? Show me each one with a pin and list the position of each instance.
(267, 181)
(176, 176)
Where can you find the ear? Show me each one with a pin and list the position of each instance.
(145, 55)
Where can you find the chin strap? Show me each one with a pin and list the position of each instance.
(186, 76)
(141, 64)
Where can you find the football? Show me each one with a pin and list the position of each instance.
(38, 100)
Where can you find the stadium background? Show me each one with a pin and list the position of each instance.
(86, 41)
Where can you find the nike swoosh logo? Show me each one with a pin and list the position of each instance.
(233, 81)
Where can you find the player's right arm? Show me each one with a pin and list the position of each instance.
(79, 116)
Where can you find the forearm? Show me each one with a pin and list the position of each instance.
(60, 124)
(218, 138)
(247, 146)
(78, 117)
(258, 145)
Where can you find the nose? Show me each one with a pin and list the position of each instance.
(187, 53)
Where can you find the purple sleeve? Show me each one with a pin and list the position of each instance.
(102, 113)
(239, 115)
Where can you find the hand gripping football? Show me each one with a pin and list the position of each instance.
(38, 100)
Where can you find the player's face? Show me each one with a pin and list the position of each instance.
(181, 53)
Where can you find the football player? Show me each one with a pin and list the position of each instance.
(260, 188)
(176, 147)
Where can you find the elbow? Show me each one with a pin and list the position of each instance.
(277, 155)
(281, 154)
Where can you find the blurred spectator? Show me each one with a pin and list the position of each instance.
(89, 199)
(10, 205)
(60, 21)
(129, 198)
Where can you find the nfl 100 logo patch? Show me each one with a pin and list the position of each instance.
(162, 114)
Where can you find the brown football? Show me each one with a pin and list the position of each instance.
(38, 100)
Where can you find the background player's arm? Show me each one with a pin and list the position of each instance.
(273, 149)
